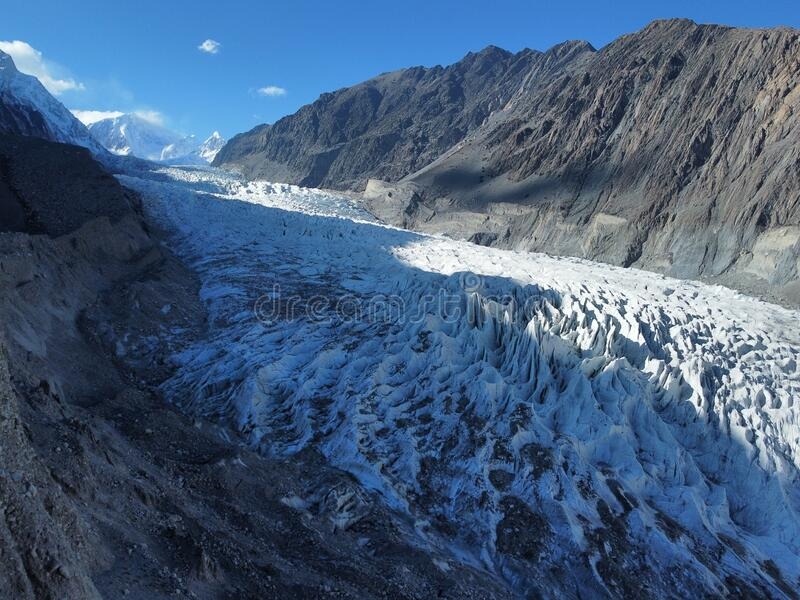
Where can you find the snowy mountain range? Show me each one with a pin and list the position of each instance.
(27, 108)
(132, 134)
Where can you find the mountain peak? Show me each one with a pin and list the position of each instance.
(666, 27)
(7, 66)
(132, 134)
(491, 52)
(27, 108)
(670, 23)
(210, 148)
(136, 135)
(570, 47)
(492, 49)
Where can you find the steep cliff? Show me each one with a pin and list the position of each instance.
(673, 149)
(391, 125)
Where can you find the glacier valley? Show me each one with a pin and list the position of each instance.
(565, 425)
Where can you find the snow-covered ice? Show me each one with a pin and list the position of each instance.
(532, 410)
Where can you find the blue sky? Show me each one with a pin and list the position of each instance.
(144, 55)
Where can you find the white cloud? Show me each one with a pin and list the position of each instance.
(272, 91)
(152, 116)
(87, 117)
(29, 60)
(209, 46)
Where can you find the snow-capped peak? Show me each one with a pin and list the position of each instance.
(210, 148)
(29, 109)
(133, 134)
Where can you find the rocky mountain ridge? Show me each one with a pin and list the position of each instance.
(672, 149)
(675, 149)
(391, 125)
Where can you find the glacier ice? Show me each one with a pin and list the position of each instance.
(548, 412)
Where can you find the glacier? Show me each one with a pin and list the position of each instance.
(575, 428)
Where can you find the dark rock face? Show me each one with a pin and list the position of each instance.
(52, 188)
(15, 119)
(672, 149)
(391, 125)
